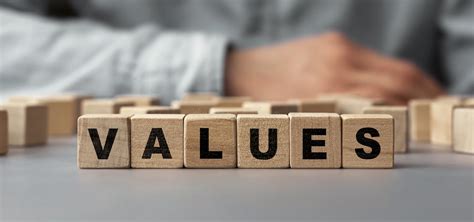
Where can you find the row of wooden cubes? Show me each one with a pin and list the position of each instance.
(297, 140)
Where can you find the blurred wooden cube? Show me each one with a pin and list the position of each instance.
(157, 141)
(272, 107)
(27, 123)
(441, 120)
(419, 117)
(139, 100)
(130, 110)
(355, 105)
(232, 110)
(367, 141)
(233, 101)
(210, 141)
(201, 96)
(316, 105)
(193, 107)
(103, 141)
(103, 106)
(315, 140)
(463, 130)
(263, 141)
(3, 132)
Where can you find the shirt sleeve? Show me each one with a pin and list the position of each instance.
(457, 45)
(41, 55)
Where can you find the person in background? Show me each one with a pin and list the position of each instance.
(266, 49)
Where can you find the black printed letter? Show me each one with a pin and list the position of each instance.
(368, 142)
(272, 144)
(308, 143)
(204, 146)
(156, 133)
(102, 154)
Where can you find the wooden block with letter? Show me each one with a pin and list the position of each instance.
(367, 141)
(194, 107)
(400, 122)
(139, 100)
(441, 120)
(27, 123)
(419, 117)
(263, 141)
(129, 110)
(157, 141)
(316, 105)
(103, 141)
(232, 110)
(272, 107)
(210, 141)
(463, 130)
(3, 132)
(103, 106)
(315, 140)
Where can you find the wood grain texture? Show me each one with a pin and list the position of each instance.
(103, 106)
(400, 124)
(146, 130)
(316, 105)
(304, 124)
(419, 120)
(27, 124)
(130, 110)
(221, 130)
(463, 130)
(272, 107)
(351, 125)
(441, 120)
(266, 155)
(3, 132)
(139, 100)
(103, 125)
(232, 110)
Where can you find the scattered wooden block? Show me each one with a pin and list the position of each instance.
(231, 110)
(400, 122)
(210, 141)
(194, 107)
(130, 110)
(201, 96)
(235, 101)
(103, 106)
(367, 141)
(355, 105)
(103, 141)
(463, 130)
(3, 132)
(315, 140)
(272, 107)
(27, 124)
(139, 100)
(316, 105)
(263, 141)
(419, 117)
(469, 102)
(441, 120)
(157, 141)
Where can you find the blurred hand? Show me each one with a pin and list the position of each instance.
(328, 63)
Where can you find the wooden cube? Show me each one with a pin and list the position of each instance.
(419, 117)
(103, 141)
(139, 100)
(232, 110)
(316, 105)
(194, 107)
(233, 101)
(103, 106)
(263, 141)
(400, 124)
(157, 141)
(367, 141)
(210, 141)
(130, 110)
(3, 132)
(463, 130)
(442, 122)
(201, 96)
(27, 124)
(315, 140)
(272, 107)
(355, 105)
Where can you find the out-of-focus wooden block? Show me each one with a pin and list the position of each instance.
(201, 96)
(400, 124)
(355, 105)
(27, 124)
(103, 141)
(419, 118)
(103, 106)
(157, 141)
(231, 110)
(130, 110)
(315, 140)
(3, 132)
(234, 101)
(367, 141)
(441, 120)
(463, 130)
(194, 107)
(263, 141)
(316, 105)
(210, 141)
(469, 101)
(139, 100)
(272, 107)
